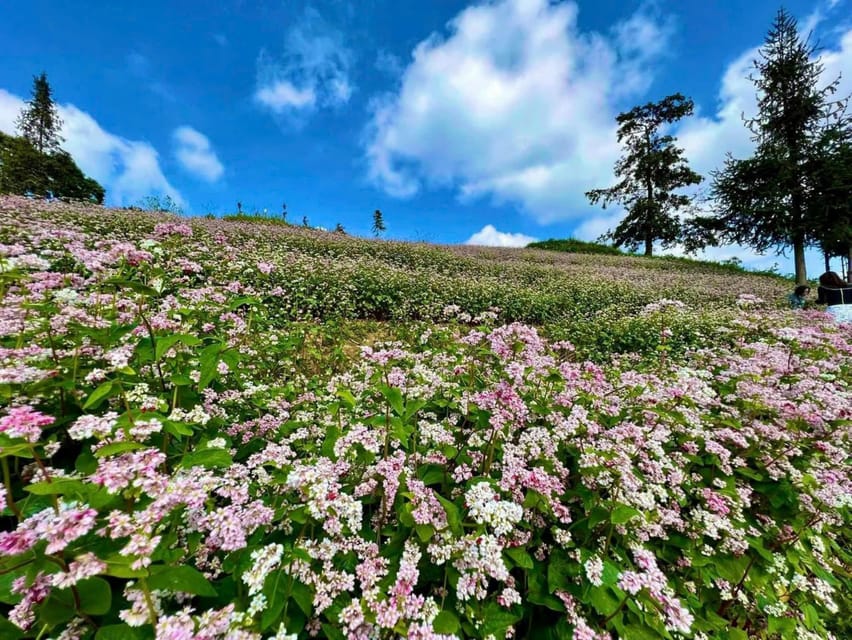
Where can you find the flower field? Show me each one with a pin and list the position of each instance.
(234, 430)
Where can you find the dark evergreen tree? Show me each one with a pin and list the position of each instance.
(651, 170)
(770, 200)
(830, 204)
(378, 223)
(39, 121)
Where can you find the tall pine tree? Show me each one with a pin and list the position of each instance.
(378, 223)
(767, 201)
(39, 122)
(651, 170)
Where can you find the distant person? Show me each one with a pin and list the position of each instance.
(799, 297)
(837, 294)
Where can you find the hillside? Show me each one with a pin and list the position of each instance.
(222, 430)
(312, 273)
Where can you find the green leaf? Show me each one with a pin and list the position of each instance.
(811, 616)
(210, 458)
(208, 360)
(640, 632)
(181, 578)
(332, 632)
(496, 620)
(431, 473)
(623, 513)
(86, 463)
(57, 487)
(8, 631)
(453, 514)
(164, 343)
(394, 398)
(560, 571)
(603, 600)
(730, 568)
(95, 596)
(303, 596)
(99, 395)
(347, 397)
(117, 447)
(446, 622)
(520, 557)
(138, 287)
(58, 608)
(424, 532)
(610, 574)
(412, 407)
(737, 634)
(118, 632)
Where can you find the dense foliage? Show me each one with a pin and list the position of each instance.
(26, 170)
(572, 245)
(171, 471)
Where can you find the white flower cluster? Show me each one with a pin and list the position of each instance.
(264, 561)
(594, 570)
(485, 507)
(89, 426)
(196, 415)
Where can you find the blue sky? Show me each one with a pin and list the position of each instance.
(480, 122)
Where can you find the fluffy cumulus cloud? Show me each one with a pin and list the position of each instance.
(128, 169)
(488, 236)
(513, 103)
(196, 155)
(312, 73)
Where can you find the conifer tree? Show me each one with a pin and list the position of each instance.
(39, 121)
(768, 201)
(650, 171)
(378, 223)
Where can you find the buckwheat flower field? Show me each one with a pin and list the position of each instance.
(247, 431)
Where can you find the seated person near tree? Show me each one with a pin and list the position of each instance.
(833, 290)
(837, 294)
(799, 297)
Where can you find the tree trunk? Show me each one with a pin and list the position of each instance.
(649, 245)
(827, 260)
(799, 258)
(849, 264)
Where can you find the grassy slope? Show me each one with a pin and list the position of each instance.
(325, 275)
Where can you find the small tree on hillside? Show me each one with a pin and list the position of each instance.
(767, 201)
(650, 171)
(39, 121)
(378, 223)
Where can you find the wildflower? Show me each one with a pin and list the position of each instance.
(24, 422)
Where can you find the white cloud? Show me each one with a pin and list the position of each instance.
(195, 154)
(488, 236)
(313, 72)
(282, 95)
(128, 169)
(514, 103)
